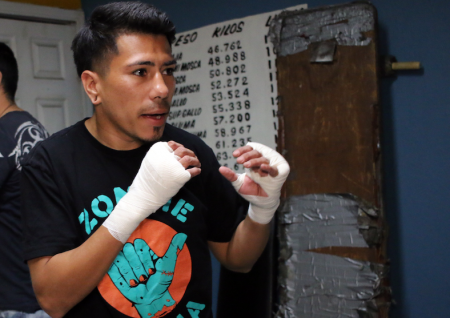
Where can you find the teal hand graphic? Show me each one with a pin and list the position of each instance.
(143, 277)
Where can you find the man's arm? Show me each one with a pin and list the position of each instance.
(245, 247)
(63, 280)
(266, 171)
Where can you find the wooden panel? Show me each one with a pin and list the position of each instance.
(329, 127)
(330, 116)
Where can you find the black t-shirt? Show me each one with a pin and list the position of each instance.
(19, 132)
(71, 183)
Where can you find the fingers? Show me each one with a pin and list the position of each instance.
(229, 174)
(122, 272)
(177, 243)
(253, 159)
(180, 151)
(145, 255)
(168, 261)
(242, 150)
(119, 280)
(194, 171)
(174, 145)
(189, 161)
(187, 157)
(247, 186)
(132, 257)
(269, 170)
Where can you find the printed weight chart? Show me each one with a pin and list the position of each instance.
(226, 90)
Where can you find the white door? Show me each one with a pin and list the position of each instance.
(49, 87)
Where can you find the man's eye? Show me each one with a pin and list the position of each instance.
(169, 71)
(140, 72)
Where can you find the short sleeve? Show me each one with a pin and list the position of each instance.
(47, 227)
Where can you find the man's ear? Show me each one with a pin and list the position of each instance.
(90, 82)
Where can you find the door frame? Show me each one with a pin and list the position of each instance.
(45, 14)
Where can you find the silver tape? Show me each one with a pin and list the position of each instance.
(321, 220)
(293, 31)
(319, 285)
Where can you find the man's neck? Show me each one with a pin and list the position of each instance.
(6, 105)
(108, 138)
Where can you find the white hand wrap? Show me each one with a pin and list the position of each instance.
(262, 209)
(159, 178)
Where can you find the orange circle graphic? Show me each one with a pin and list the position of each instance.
(158, 236)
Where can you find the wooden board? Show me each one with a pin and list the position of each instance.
(330, 120)
(329, 131)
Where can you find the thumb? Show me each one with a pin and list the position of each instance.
(237, 180)
(229, 174)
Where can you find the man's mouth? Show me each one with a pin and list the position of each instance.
(156, 116)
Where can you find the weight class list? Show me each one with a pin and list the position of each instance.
(226, 90)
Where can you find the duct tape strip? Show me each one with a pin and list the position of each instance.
(320, 285)
(293, 31)
(321, 220)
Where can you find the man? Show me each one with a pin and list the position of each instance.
(19, 132)
(98, 247)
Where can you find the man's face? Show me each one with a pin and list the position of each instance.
(137, 88)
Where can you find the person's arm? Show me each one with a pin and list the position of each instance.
(244, 249)
(5, 166)
(266, 172)
(63, 280)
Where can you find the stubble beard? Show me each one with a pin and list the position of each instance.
(157, 131)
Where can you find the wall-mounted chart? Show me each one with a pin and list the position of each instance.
(226, 89)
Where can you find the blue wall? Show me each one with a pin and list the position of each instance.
(416, 135)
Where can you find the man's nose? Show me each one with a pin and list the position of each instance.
(159, 87)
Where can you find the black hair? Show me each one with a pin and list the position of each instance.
(9, 70)
(97, 39)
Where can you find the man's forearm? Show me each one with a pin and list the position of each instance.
(265, 173)
(63, 280)
(246, 246)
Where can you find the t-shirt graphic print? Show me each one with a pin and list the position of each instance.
(150, 275)
(27, 135)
